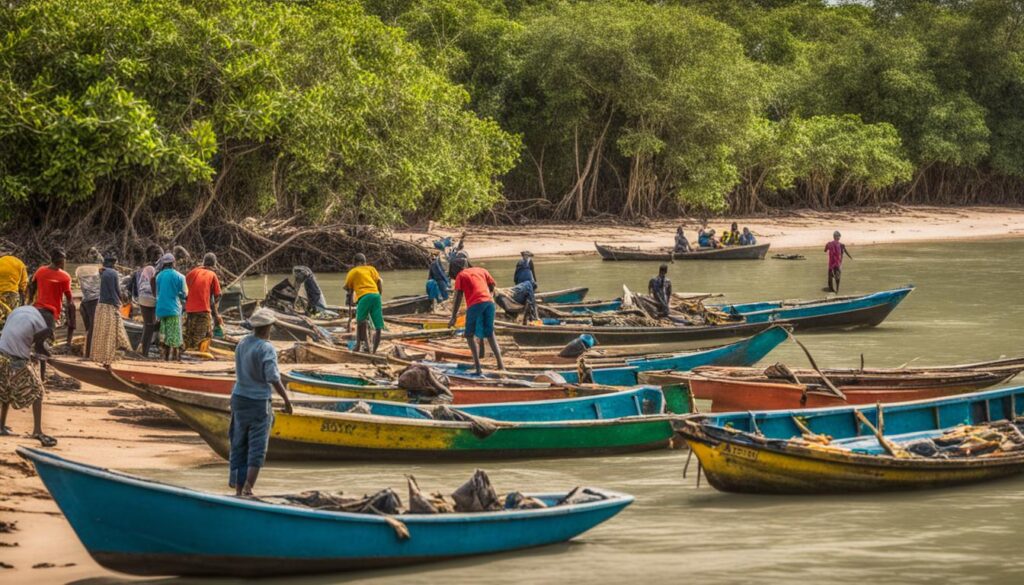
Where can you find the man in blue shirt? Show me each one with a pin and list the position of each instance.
(171, 292)
(251, 416)
(438, 284)
(524, 269)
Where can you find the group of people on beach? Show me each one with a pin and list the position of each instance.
(707, 238)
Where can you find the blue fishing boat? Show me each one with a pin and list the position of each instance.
(862, 448)
(564, 296)
(851, 311)
(144, 527)
(742, 353)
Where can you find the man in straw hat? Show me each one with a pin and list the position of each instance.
(256, 374)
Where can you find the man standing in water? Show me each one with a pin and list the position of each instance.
(660, 287)
(835, 251)
(364, 283)
(477, 285)
(251, 411)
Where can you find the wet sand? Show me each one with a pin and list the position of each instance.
(797, 229)
(93, 426)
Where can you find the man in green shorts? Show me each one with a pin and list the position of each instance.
(363, 282)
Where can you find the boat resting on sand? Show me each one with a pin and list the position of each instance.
(755, 252)
(624, 422)
(143, 527)
(734, 389)
(130, 380)
(836, 312)
(909, 445)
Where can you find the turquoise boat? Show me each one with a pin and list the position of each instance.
(742, 353)
(564, 296)
(142, 527)
(851, 311)
(853, 448)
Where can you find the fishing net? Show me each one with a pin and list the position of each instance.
(479, 426)
(476, 495)
(425, 382)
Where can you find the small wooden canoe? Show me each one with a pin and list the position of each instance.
(679, 337)
(563, 296)
(756, 252)
(736, 389)
(142, 527)
(832, 450)
(837, 312)
(404, 433)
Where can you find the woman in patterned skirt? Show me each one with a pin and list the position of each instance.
(108, 328)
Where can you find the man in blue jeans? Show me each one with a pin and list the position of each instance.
(251, 416)
(477, 285)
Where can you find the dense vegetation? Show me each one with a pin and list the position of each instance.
(171, 119)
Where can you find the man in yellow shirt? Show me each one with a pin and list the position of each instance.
(13, 284)
(364, 286)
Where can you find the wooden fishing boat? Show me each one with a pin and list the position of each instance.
(756, 252)
(850, 311)
(732, 389)
(680, 336)
(563, 296)
(128, 379)
(852, 448)
(628, 371)
(406, 433)
(400, 305)
(143, 527)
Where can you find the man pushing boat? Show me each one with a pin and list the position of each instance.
(251, 415)
(477, 285)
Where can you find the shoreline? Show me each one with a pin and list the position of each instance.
(793, 230)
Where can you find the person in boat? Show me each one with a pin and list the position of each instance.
(477, 286)
(22, 345)
(525, 294)
(747, 238)
(171, 292)
(438, 283)
(201, 306)
(660, 289)
(682, 244)
(141, 290)
(50, 288)
(707, 239)
(835, 250)
(525, 271)
(256, 377)
(108, 327)
(364, 283)
(306, 280)
(731, 237)
(13, 284)
(88, 276)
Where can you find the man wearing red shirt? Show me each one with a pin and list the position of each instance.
(50, 287)
(835, 250)
(203, 285)
(476, 285)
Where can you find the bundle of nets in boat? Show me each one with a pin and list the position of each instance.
(993, 439)
(622, 320)
(425, 383)
(698, 314)
(476, 495)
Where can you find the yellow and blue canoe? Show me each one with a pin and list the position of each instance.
(760, 452)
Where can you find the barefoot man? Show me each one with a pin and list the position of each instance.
(251, 416)
(835, 251)
(21, 343)
(477, 285)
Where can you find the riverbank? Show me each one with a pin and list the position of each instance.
(796, 229)
(93, 426)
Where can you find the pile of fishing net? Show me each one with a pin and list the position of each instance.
(476, 495)
(992, 439)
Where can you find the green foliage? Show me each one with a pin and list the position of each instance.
(313, 107)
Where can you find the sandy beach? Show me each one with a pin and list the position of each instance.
(110, 429)
(796, 229)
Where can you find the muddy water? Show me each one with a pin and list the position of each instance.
(967, 307)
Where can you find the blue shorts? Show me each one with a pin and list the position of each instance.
(480, 320)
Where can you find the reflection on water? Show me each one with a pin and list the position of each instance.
(967, 308)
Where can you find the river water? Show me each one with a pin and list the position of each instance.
(967, 307)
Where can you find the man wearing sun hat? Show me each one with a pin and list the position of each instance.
(256, 376)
